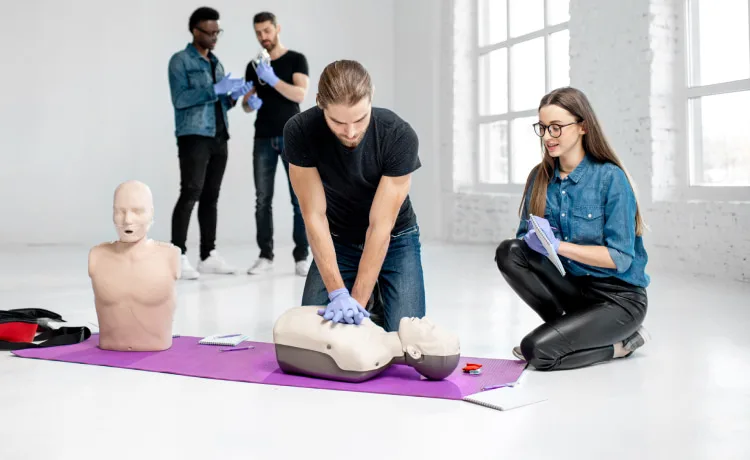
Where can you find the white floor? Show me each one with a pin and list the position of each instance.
(686, 395)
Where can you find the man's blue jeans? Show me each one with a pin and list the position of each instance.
(399, 291)
(266, 153)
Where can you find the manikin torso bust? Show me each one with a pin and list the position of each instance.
(134, 278)
(308, 344)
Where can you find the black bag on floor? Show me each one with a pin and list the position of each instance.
(21, 327)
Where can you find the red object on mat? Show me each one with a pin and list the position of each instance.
(18, 332)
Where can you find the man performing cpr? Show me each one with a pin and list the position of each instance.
(350, 165)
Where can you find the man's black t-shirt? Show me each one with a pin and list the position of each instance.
(221, 127)
(351, 176)
(276, 109)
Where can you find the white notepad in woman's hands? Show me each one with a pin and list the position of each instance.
(551, 254)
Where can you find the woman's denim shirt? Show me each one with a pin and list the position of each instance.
(595, 205)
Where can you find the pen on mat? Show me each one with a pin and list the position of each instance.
(492, 387)
(228, 336)
(235, 349)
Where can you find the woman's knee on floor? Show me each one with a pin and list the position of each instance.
(507, 253)
(543, 349)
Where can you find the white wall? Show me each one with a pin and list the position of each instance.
(422, 95)
(626, 57)
(86, 105)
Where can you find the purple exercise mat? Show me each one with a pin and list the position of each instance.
(258, 365)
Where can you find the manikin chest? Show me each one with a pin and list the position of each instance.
(147, 282)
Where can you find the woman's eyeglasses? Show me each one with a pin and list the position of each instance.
(555, 130)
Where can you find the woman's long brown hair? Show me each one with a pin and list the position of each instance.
(594, 144)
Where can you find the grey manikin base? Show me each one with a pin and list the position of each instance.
(293, 360)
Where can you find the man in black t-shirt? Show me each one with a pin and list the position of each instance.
(277, 92)
(351, 166)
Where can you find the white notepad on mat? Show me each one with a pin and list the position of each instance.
(229, 340)
(551, 254)
(506, 398)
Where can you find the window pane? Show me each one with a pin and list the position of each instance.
(526, 16)
(723, 44)
(493, 152)
(720, 152)
(493, 21)
(527, 74)
(559, 59)
(493, 82)
(557, 11)
(526, 150)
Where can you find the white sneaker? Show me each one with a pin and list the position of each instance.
(188, 272)
(261, 265)
(301, 268)
(216, 264)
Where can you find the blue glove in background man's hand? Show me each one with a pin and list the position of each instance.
(532, 239)
(265, 72)
(242, 90)
(228, 84)
(254, 102)
(343, 308)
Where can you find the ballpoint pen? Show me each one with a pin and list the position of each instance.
(238, 348)
(501, 385)
(228, 336)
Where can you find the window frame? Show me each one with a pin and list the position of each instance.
(509, 115)
(690, 133)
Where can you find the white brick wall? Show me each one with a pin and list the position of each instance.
(626, 57)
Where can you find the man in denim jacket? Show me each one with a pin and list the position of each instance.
(201, 97)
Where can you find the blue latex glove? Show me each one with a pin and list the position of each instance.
(532, 239)
(265, 72)
(343, 308)
(254, 102)
(228, 84)
(242, 90)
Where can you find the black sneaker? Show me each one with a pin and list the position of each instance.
(637, 340)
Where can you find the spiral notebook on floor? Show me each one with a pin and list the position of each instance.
(506, 398)
(231, 340)
(551, 254)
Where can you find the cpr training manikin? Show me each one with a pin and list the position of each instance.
(311, 345)
(134, 278)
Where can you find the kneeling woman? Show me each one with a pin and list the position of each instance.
(594, 313)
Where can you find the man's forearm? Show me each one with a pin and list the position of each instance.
(376, 247)
(291, 92)
(321, 245)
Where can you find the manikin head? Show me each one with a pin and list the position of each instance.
(132, 211)
(345, 95)
(204, 25)
(432, 351)
(267, 30)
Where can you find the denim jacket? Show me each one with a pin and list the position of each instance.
(192, 88)
(595, 205)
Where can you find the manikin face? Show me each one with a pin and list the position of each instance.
(571, 136)
(421, 337)
(132, 211)
(349, 123)
(267, 35)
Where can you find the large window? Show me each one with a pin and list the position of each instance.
(718, 93)
(522, 51)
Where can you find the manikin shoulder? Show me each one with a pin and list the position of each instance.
(96, 253)
(172, 253)
(164, 250)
